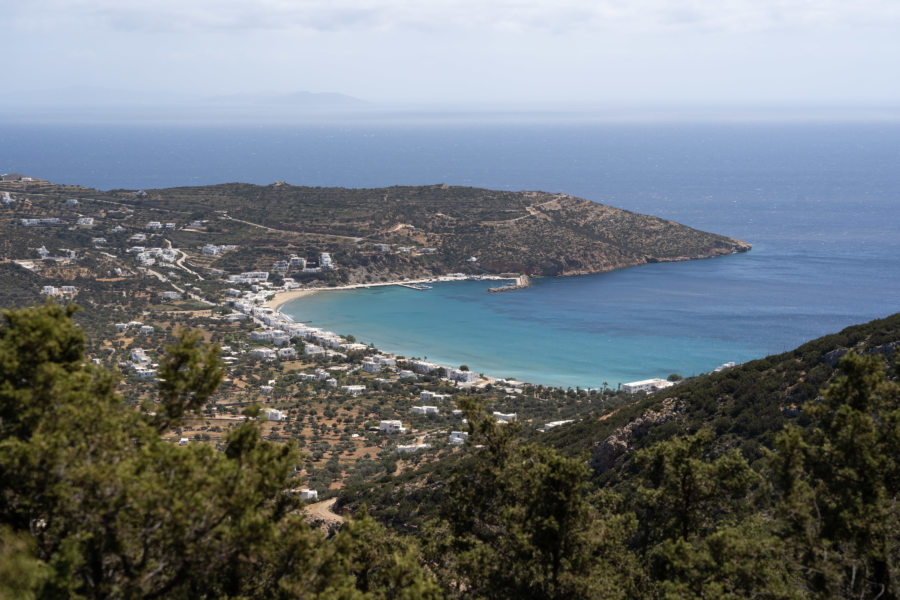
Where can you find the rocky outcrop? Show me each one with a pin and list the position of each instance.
(606, 453)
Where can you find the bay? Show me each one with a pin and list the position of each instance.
(818, 201)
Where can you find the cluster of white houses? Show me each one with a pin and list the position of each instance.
(63, 290)
(142, 364)
(148, 257)
(213, 250)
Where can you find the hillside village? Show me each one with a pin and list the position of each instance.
(141, 277)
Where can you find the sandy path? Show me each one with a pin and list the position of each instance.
(321, 511)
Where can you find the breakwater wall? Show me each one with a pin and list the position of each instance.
(520, 282)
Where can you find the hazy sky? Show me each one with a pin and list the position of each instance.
(504, 52)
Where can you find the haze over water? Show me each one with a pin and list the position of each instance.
(818, 202)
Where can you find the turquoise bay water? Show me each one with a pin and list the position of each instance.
(820, 202)
(616, 327)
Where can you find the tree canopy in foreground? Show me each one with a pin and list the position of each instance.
(96, 501)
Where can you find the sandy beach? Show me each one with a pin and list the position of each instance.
(284, 297)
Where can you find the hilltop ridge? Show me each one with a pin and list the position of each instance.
(536, 233)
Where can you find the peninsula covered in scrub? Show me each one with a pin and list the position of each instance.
(397, 232)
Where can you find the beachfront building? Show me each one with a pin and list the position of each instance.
(391, 426)
(423, 367)
(462, 376)
(325, 261)
(646, 385)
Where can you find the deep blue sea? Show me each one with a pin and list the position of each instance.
(819, 202)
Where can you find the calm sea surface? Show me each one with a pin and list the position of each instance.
(819, 203)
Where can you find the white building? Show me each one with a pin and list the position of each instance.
(85, 222)
(553, 424)
(458, 438)
(146, 329)
(263, 353)
(139, 356)
(171, 295)
(307, 494)
(421, 366)
(426, 396)
(154, 225)
(462, 376)
(411, 448)
(646, 385)
(287, 353)
(353, 390)
(325, 261)
(271, 414)
(424, 410)
(505, 417)
(144, 372)
(391, 426)
(313, 350)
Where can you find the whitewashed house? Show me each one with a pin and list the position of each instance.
(263, 353)
(287, 353)
(391, 426)
(271, 414)
(427, 396)
(457, 438)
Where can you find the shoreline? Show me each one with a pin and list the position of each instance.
(284, 296)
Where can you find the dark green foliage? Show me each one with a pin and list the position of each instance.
(516, 523)
(95, 503)
(837, 485)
